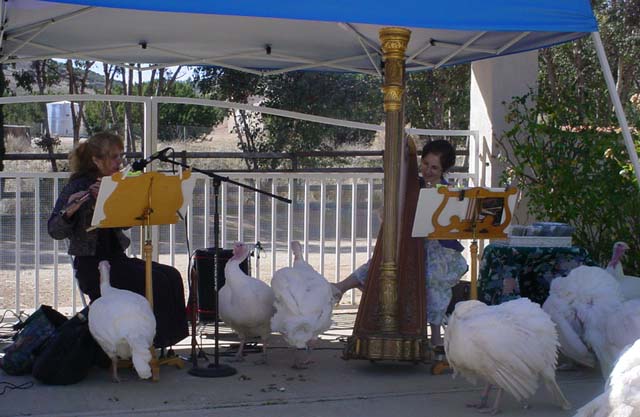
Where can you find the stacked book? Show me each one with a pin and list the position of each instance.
(541, 234)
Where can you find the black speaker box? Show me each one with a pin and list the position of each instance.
(203, 267)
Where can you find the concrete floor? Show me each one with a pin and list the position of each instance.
(331, 386)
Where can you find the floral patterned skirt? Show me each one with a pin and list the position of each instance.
(444, 267)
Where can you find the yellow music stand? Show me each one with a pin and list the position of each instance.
(471, 213)
(144, 200)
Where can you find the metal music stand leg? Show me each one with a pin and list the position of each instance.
(216, 369)
(155, 361)
(474, 270)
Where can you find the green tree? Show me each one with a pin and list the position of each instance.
(341, 96)
(569, 174)
(570, 75)
(223, 84)
(431, 103)
(439, 99)
(175, 119)
(78, 74)
(344, 96)
(569, 155)
(170, 116)
(44, 74)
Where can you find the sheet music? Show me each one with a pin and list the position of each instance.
(107, 186)
(136, 205)
(430, 199)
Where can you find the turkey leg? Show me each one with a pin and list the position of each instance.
(484, 399)
(114, 370)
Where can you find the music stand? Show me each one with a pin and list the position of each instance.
(144, 200)
(471, 213)
(216, 369)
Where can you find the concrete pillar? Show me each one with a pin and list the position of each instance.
(495, 82)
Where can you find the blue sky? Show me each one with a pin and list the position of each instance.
(185, 73)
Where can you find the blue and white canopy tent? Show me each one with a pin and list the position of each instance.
(332, 34)
(274, 36)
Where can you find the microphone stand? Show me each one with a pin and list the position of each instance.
(216, 369)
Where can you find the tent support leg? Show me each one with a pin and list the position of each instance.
(613, 93)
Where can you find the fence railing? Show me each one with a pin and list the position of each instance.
(334, 215)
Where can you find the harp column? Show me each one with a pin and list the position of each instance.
(394, 44)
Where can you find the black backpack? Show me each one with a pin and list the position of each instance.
(69, 353)
(31, 337)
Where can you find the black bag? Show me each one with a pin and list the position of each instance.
(69, 354)
(32, 335)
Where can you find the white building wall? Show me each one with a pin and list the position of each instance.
(495, 82)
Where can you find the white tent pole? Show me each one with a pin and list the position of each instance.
(613, 93)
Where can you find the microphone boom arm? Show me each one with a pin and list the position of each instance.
(220, 178)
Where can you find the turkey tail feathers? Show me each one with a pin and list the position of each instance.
(140, 356)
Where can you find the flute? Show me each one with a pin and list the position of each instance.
(80, 200)
(84, 197)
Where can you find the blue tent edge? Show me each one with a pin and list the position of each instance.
(490, 15)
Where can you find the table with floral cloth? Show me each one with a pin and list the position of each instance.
(532, 267)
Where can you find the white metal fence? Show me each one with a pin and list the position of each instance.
(333, 214)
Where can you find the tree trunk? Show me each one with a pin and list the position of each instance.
(160, 86)
(128, 140)
(54, 165)
(551, 69)
(72, 90)
(151, 85)
(245, 136)
(77, 121)
(110, 73)
(172, 81)
(40, 68)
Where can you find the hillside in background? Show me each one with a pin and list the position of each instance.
(95, 81)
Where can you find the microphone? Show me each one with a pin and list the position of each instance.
(140, 164)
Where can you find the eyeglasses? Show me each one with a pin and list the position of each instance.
(118, 156)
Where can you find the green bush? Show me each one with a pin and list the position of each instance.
(575, 174)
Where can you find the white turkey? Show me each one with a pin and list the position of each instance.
(512, 345)
(304, 303)
(609, 328)
(570, 331)
(592, 316)
(123, 324)
(629, 284)
(621, 397)
(246, 303)
(577, 291)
